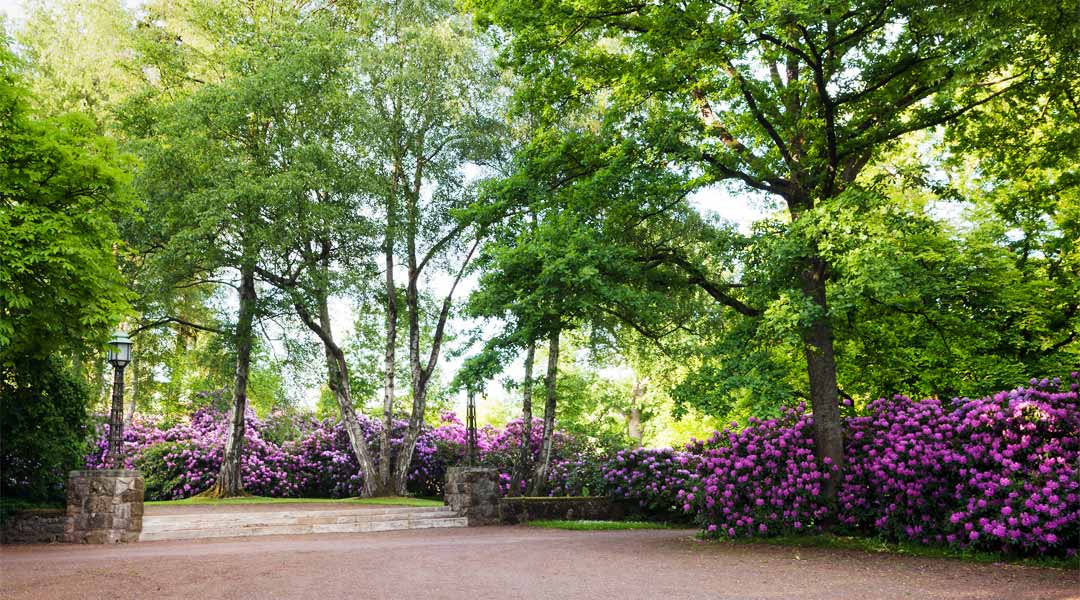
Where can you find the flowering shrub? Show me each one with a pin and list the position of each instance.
(998, 473)
(761, 480)
(581, 474)
(500, 448)
(184, 460)
(655, 482)
(1018, 468)
(896, 474)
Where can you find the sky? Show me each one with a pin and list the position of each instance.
(11, 8)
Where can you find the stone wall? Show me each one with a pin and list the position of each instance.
(473, 492)
(104, 506)
(520, 509)
(34, 526)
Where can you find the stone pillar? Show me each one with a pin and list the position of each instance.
(473, 492)
(104, 506)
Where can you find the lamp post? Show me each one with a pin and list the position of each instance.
(119, 356)
(470, 432)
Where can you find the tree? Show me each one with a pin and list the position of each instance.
(419, 138)
(789, 100)
(91, 78)
(218, 149)
(43, 422)
(62, 190)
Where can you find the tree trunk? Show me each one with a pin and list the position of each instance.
(400, 478)
(633, 425)
(229, 481)
(633, 416)
(521, 477)
(337, 379)
(540, 478)
(821, 367)
(134, 388)
(389, 362)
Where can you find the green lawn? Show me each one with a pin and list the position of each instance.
(389, 500)
(598, 525)
(877, 545)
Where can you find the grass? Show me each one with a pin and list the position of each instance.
(598, 525)
(878, 545)
(388, 500)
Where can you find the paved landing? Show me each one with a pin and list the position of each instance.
(290, 519)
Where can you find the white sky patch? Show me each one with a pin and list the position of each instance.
(13, 9)
(743, 208)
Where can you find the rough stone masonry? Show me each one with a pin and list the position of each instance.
(473, 492)
(104, 506)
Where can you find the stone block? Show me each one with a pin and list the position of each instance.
(104, 506)
(473, 492)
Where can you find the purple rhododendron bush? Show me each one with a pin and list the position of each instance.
(304, 457)
(183, 460)
(999, 473)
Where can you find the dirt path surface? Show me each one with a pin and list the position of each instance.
(503, 562)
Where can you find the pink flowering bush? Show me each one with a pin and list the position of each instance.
(581, 474)
(998, 473)
(897, 473)
(1018, 471)
(761, 480)
(501, 448)
(655, 483)
(183, 460)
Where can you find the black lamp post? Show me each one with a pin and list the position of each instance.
(119, 356)
(470, 431)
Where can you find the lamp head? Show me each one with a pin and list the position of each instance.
(120, 349)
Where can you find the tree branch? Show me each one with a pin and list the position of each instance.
(176, 320)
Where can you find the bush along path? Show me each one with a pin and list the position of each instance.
(303, 457)
(998, 473)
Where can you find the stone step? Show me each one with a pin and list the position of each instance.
(374, 510)
(171, 523)
(217, 525)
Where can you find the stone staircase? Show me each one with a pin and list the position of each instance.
(294, 522)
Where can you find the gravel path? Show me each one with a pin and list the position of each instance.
(504, 562)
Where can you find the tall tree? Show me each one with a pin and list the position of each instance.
(420, 137)
(789, 100)
(63, 188)
(217, 139)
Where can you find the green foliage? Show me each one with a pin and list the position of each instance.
(160, 477)
(633, 107)
(43, 427)
(62, 189)
(90, 78)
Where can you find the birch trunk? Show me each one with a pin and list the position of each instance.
(540, 477)
(229, 481)
(521, 478)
